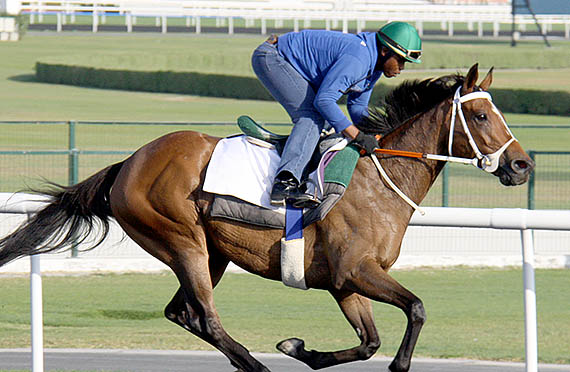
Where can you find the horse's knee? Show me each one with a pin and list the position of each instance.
(369, 348)
(418, 313)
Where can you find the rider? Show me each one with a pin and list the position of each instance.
(307, 72)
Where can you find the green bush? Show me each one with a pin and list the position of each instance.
(525, 101)
(195, 83)
(247, 87)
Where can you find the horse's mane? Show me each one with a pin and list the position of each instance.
(407, 100)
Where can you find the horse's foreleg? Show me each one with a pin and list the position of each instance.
(193, 308)
(358, 311)
(371, 281)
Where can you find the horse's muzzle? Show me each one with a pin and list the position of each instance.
(515, 172)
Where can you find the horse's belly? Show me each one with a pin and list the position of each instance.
(252, 248)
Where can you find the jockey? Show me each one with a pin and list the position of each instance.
(307, 72)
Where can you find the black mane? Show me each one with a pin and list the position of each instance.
(408, 99)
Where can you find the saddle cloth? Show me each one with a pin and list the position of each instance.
(241, 174)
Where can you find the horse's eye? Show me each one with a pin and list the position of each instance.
(481, 117)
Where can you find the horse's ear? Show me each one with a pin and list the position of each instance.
(486, 83)
(470, 79)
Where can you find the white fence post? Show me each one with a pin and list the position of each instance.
(36, 305)
(198, 26)
(530, 325)
(59, 26)
(95, 19)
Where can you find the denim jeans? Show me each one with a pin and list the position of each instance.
(296, 95)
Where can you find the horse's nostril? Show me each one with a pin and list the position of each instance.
(521, 166)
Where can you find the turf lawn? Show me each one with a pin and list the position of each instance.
(21, 98)
(472, 313)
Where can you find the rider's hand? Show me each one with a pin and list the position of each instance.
(367, 143)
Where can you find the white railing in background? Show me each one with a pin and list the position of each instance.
(512, 219)
(331, 11)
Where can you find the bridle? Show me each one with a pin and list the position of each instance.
(489, 163)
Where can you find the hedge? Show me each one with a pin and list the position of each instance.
(245, 87)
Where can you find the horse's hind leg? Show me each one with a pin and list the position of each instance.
(178, 310)
(358, 312)
(198, 271)
(193, 308)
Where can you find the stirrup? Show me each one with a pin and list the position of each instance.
(304, 201)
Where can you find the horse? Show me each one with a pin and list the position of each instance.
(156, 197)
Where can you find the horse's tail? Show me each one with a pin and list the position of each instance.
(70, 217)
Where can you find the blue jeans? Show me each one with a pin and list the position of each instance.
(296, 95)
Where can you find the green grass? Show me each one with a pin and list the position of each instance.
(472, 313)
(21, 98)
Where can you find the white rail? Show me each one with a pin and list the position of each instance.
(296, 10)
(515, 219)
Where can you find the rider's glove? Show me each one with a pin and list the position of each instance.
(366, 143)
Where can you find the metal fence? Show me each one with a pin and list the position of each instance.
(67, 152)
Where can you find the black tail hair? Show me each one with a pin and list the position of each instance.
(69, 218)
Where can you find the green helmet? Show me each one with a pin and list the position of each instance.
(402, 39)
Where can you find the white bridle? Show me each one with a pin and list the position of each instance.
(490, 162)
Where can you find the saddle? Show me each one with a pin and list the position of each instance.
(260, 136)
(253, 130)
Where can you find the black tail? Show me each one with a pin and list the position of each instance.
(69, 218)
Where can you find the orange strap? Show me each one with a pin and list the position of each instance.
(408, 154)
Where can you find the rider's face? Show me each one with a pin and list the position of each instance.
(393, 65)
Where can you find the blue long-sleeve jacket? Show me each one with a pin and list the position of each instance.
(335, 64)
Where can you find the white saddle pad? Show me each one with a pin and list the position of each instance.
(246, 170)
(243, 170)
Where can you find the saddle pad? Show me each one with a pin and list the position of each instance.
(226, 206)
(243, 170)
(241, 174)
(341, 167)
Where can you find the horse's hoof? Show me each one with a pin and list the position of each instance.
(291, 346)
(399, 367)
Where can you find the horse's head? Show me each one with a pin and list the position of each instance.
(478, 129)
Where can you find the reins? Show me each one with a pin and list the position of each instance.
(489, 163)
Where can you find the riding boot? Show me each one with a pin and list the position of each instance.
(286, 190)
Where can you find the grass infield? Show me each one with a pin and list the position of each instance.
(22, 98)
(472, 313)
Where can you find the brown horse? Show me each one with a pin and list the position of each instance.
(156, 196)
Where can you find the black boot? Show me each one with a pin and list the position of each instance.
(283, 187)
(286, 189)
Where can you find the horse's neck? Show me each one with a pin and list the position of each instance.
(427, 133)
